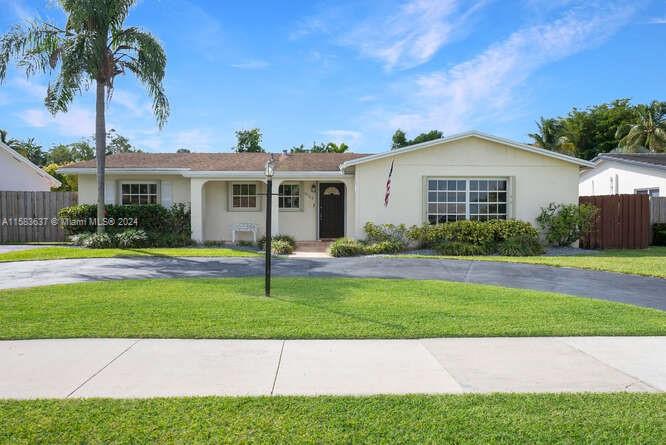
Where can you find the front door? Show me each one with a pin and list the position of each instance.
(331, 210)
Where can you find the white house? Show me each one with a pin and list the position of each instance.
(19, 174)
(624, 173)
(329, 195)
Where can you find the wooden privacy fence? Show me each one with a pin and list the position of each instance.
(32, 216)
(623, 222)
(658, 210)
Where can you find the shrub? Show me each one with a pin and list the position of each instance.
(659, 238)
(384, 247)
(280, 237)
(563, 224)
(482, 233)
(79, 239)
(460, 248)
(281, 247)
(520, 245)
(213, 243)
(377, 233)
(243, 243)
(99, 241)
(346, 247)
(164, 227)
(131, 238)
(168, 239)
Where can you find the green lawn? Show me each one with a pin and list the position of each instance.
(650, 262)
(496, 418)
(309, 308)
(59, 253)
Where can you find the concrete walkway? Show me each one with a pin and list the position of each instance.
(146, 368)
(632, 289)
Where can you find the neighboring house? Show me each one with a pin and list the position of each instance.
(625, 173)
(19, 174)
(329, 195)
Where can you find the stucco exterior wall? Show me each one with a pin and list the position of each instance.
(609, 178)
(16, 176)
(534, 180)
(180, 187)
(302, 224)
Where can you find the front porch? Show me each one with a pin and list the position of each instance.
(308, 208)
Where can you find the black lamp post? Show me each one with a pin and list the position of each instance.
(269, 207)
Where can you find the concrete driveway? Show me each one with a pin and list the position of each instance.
(637, 290)
(151, 367)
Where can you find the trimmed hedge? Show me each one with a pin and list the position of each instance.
(281, 247)
(261, 244)
(161, 227)
(482, 233)
(659, 238)
(346, 247)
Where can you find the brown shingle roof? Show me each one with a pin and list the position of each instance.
(225, 161)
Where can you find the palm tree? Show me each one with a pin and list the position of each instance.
(92, 47)
(648, 133)
(548, 135)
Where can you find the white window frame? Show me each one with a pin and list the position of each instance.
(647, 191)
(300, 197)
(256, 208)
(139, 183)
(467, 179)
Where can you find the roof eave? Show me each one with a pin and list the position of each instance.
(478, 134)
(54, 183)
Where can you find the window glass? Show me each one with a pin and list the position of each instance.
(244, 196)
(289, 196)
(138, 193)
(476, 199)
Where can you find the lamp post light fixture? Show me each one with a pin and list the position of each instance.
(269, 207)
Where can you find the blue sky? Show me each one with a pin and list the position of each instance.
(355, 71)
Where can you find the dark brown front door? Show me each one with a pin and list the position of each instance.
(331, 210)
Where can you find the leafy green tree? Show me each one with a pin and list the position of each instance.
(82, 151)
(585, 133)
(329, 147)
(183, 150)
(425, 137)
(30, 149)
(3, 136)
(648, 132)
(69, 183)
(400, 140)
(116, 143)
(60, 154)
(92, 47)
(248, 141)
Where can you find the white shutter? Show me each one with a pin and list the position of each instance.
(110, 192)
(165, 192)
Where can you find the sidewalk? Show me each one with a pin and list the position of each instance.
(153, 367)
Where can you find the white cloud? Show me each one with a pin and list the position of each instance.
(77, 122)
(251, 65)
(310, 25)
(657, 21)
(347, 136)
(412, 35)
(132, 103)
(367, 98)
(34, 89)
(195, 139)
(484, 86)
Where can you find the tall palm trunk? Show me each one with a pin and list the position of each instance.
(100, 153)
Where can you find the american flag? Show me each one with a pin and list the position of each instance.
(388, 187)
